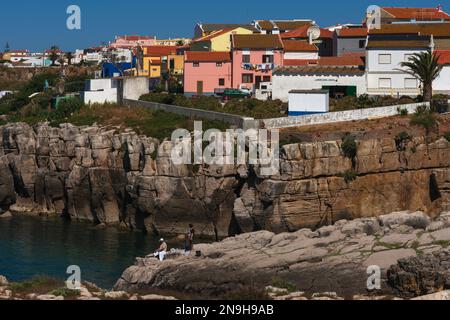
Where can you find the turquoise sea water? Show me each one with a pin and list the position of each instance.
(34, 246)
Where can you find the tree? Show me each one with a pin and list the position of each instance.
(54, 55)
(425, 67)
(69, 57)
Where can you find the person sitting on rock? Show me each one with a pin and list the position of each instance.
(162, 250)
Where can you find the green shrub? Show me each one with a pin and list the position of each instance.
(349, 176)
(65, 292)
(38, 285)
(447, 136)
(349, 147)
(423, 117)
(66, 108)
(402, 112)
(401, 140)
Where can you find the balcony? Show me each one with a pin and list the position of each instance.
(263, 67)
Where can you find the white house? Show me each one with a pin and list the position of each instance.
(442, 84)
(341, 76)
(100, 91)
(385, 76)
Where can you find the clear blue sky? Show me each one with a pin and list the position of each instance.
(38, 24)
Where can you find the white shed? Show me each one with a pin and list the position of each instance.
(304, 102)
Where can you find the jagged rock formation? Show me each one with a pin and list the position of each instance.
(416, 276)
(331, 259)
(100, 175)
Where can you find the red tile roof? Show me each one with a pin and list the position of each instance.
(299, 46)
(417, 13)
(345, 60)
(422, 29)
(352, 32)
(257, 41)
(302, 33)
(160, 51)
(444, 56)
(204, 56)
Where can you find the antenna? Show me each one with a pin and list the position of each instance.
(313, 33)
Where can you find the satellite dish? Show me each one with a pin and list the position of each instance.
(313, 33)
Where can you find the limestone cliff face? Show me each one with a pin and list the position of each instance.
(92, 174)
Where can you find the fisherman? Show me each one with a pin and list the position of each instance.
(162, 250)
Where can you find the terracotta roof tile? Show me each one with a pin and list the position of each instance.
(299, 46)
(398, 44)
(160, 50)
(345, 60)
(302, 33)
(423, 29)
(352, 32)
(202, 56)
(417, 13)
(444, 56)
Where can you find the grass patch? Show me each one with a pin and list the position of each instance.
(283, 284)
(37, 285)
(250, 292)
(443, 243)
(390, 246)
(65, 292)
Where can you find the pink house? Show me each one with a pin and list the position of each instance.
(129, 42)
(206, 73)
(254, 58)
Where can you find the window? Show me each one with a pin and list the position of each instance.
(247, 78)
(410, 83)
(407, 57)
(267, 58)
(221, 82)
(246, 58)
(362, 44)
(172, 64)
(384, 59)
(385, 83)
(219, 64)
(266, 79)
(196, 64)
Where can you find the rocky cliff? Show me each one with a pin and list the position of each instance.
(330, 259)
(104, 176)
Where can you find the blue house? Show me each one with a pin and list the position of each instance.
(110, 70)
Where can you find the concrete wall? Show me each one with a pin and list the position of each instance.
(104, 96)
(332, 117)
(241, 122)
(134, 87)
(100, 84)
(283, 83)
(349, 45)
(312, 102)
(442, 83)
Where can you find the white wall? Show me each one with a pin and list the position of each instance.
(283, 83)
(301, 55)
(392, 71)
(442, 83)
(100, 84)
(309, 102)
(105, 96)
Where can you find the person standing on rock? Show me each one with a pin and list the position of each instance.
(162, 250)
(189, 240)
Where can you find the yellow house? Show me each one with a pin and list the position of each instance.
(155, 60)
(218, 41)
(175, 64)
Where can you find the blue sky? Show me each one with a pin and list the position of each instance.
(35, 25)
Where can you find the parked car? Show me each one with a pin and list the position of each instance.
(236, 94)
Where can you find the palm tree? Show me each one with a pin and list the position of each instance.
(69, 57)
(425, 67)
